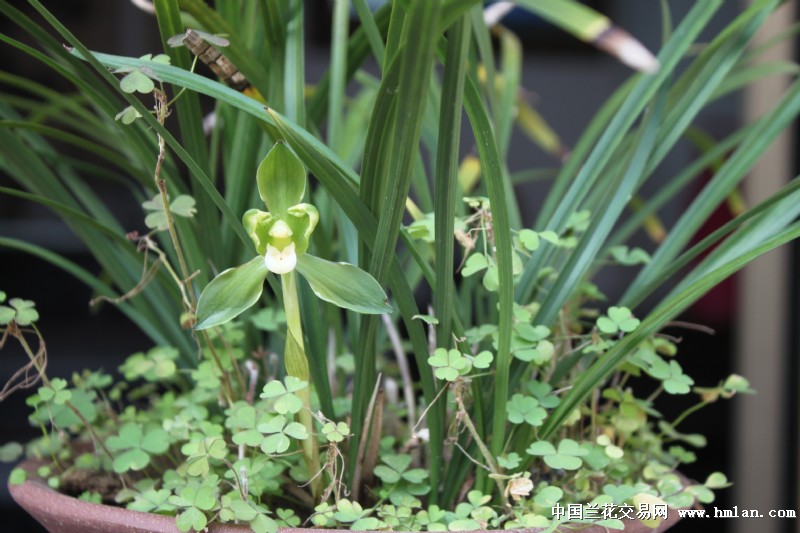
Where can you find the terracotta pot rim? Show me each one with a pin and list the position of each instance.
(65, 514)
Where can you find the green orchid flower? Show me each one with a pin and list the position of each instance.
(281, 236)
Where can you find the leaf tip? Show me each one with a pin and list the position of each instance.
(629, 50)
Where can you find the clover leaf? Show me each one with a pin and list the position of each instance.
(542, 392)
(531, 333)
(279, 430)
(128, 115)
(551, 237)
(433, 518)
(448, 364)
(195, 501)
(540, 354)
(7, 314)
(335, 432)
(735, 384)
(423, 229)
(347, 511)
(649, 501)
(509, 461)
(140, 79)
(475, 263)
(525, 409)
(548, 496)
(682, 455)
(137, 81)
(17, 476)
(529, 239)
(152, 501)
(242, 416)
(233, 508)
(566, 457)
(527, 521)
(62, 414)
(158, 364)
(23, 312)
(483, 359)
(200, 451)
(136, 446)
(627, 257)
(618, 319)
(182, 206)
(283, 394)
(671, 376)
(287, 518)
(609, 448)
(700, 493)
(717, 480)
(57, 393)
(395, 468)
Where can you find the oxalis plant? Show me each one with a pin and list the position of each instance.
(496, 387)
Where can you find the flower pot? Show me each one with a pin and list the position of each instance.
(59, 513)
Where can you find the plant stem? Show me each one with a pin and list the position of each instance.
(689, 411)
(162, 111)
(16, 332)
(487, 455)
(297, 366)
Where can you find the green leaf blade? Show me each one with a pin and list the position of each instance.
(344, 285)
(231, 293)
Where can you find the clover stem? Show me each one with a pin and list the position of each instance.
(162, 111)
(687, 412)
(297, 366)
(19, 335)
(487, 455)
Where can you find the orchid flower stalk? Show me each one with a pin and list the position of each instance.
(281, 236)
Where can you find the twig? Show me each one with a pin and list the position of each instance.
(425, 412)
(487, 455)
(362, 445)
(690, 325)
(405, 371)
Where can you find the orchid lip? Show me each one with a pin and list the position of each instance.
(280, 261)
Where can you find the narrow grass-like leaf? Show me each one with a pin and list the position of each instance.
(594, 28)
(496, 188)
(614, 133)
(734, 169)
(371, 29)
(776, 207)
(511, 71)
(603, 221)
(446, 175)
(668, 309)
(413, 63)
(357, 52)
(294, 77)
(338, 70)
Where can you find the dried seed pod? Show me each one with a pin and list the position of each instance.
(216, 61)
